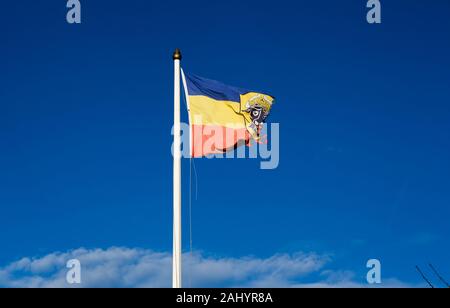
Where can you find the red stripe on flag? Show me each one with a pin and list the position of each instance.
(214, 139)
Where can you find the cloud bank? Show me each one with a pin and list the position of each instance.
(133, 267)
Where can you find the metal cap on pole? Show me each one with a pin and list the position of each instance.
(177, 54)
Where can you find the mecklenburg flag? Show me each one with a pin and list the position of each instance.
(222, 117)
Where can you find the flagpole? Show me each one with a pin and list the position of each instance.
(176, 270)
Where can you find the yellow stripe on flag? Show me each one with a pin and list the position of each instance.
(207, 111)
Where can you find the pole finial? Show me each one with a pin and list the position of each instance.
(177, 54)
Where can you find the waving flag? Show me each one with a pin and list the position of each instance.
(223, 117)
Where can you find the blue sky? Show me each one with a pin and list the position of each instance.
(363, 110)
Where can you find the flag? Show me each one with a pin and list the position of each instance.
(223, 117)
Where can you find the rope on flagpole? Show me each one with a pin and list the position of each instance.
(190, 222)
(191, 246)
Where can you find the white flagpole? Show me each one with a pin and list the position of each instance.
(176, 270)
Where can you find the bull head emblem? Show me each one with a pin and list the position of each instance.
(258, 108)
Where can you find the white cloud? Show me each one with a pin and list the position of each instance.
(125, 267)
